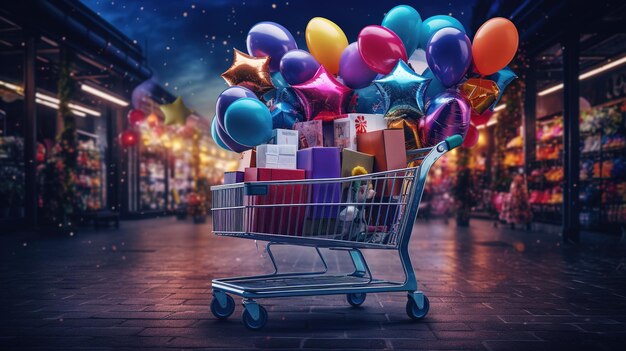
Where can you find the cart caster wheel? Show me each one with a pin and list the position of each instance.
(356, 299)
(253, 324)
(414, 312)
(222, 312)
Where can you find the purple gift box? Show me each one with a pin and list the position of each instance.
(233, 177)
(320, 163)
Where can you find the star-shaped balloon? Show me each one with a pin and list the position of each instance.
(322, 96)
(176, 112)
(403, 91)
(249, 72)
(481, 93)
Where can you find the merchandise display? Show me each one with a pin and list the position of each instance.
(152, 180)
(90, 176)
(11, 177)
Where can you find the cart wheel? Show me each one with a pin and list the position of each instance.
(253, 324)
(414, 312)
(222, 312)
(356, 299)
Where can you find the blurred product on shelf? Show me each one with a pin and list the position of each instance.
(90, 176)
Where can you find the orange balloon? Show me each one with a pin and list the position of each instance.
(495, 45)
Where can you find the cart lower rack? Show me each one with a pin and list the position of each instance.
(336, 214)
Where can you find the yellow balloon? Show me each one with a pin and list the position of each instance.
(326, 42)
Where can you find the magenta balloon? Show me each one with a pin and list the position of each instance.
(381, 48)
(270, 39)
(298, 66)
(448, 114)
(353, 70)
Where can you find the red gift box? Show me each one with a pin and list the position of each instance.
(282, 219)
(389, 152)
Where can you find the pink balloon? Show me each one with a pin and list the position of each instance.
(381, 48)
(471, 138)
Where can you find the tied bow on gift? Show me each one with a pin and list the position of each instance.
(360, 124)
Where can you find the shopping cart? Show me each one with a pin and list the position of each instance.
(330, 214)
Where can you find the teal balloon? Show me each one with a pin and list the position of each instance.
(435, 23)
(367, 100)
(503, 78)
(406, 22)
(278, 80)
(435, 87)
(249, 122)
(216, 137)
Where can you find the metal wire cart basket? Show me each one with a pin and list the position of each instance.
(279, 212)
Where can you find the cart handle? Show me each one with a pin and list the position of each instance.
(454, 141)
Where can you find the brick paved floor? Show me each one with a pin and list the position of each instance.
(148, 286)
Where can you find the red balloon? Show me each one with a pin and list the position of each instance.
(135, 117)
(479, 120)
(41, 153)
(381, 48)
(129, 138)
(471, 138)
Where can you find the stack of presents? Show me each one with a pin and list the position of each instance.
(345, 146)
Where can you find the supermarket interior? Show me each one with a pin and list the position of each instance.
(552, 156)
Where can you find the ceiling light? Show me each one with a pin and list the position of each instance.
(588, 74)
(106, 96)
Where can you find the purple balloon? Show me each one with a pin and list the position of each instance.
(449, 54)
(298, 66)
(226, 98)
(353, 70)
(448, 113)
(270, 39)
(226, 139)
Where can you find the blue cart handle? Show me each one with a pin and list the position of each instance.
(454, 141)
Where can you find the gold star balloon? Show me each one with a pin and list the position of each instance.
(175, 113)
(481, 93)
(249, 72)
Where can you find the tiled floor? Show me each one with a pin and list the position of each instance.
(148, 286)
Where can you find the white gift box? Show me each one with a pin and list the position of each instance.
(276, 156)
(347, 128)
(285, 137)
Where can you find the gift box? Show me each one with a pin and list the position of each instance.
(247, 159)
(233, 177)
(348, 127)
(284, 137)
(310, 134)
(321, 163)
(276, 156)
(283, 219)
(351, 159)
(387, 146)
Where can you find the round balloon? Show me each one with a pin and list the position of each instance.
(353, 70)
(216, 137)
(406, 22)
(449, 55)
(129, 138)
(495, 45)
(270, 39)
(227, 97)
(447, 114)
(480, 119)
(278, 80)
(248, 122)
(226, 139)
(434, 87)
(435, 23)
(135, 117)
(380, 48)
(367, 100)
(471, 138)
(298, 66)
(326, 42)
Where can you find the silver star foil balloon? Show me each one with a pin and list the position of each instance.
(403, 91)
(448, 113)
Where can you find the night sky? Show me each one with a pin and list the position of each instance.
(189, 43)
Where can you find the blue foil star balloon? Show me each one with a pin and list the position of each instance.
(284, 115)
(403, 91)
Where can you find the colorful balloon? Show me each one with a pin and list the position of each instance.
(406, 22)
(353, 70)
(480, 119)
(278, 80)
(226, 98)
(503, 78)
(449, 54)
(448, 114)
(434, 87)
(129, 137)
(228, 141)
(175, 113)
(480, 93)
(367, 100)
(495, 45)
(380, 48)
(284, 115)
(403, 91)
(471, 138)
(432, 24)
(249, 72)
(298, 66)
(216, 137)
(270, 39)
(135, 117)
(248, 122)
(322, 96)
(326, 42)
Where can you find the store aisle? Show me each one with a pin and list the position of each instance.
(148, 285)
